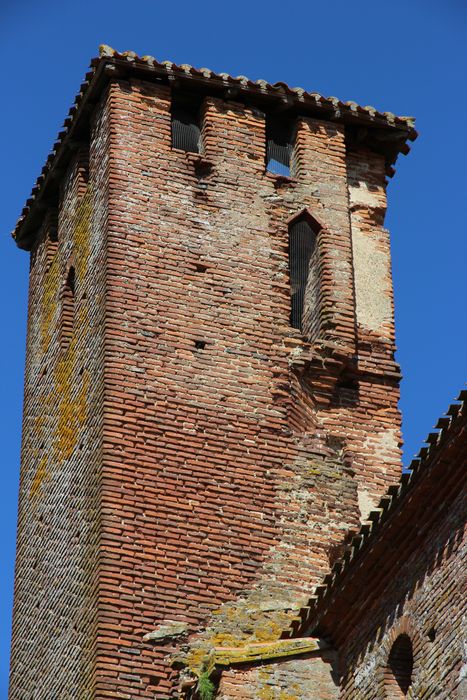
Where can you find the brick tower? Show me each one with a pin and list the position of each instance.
(210, 392)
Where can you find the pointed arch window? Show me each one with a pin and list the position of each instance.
(302, 244)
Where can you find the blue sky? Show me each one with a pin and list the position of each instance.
(406, 56)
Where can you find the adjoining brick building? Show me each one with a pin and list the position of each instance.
(394, 605)
(211, 397)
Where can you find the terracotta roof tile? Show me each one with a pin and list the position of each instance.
(330, 107)
(108, 52)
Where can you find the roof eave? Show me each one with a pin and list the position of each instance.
(386, 127)
(67, 144)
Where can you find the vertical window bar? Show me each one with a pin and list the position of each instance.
(302, 241)
(186, 133)
(278, 147)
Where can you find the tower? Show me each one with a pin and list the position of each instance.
(210, 391)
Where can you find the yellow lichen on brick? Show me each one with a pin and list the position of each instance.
(81, 223)
(71, 405)
(40, 476)
(267, 691)
(246, 624)
(70, 401)
(271, 693)
(49, 303)
(268, 631)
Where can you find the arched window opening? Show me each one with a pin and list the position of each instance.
(302, 242)
(398, 675)
(68, 308)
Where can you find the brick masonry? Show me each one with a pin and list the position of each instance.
(188, 457)
(304, 677)
(421, 593)
(55, 622)
(402, 582)
(432, 602)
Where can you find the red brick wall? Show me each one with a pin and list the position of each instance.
(223, 447)
(308, 677)
(424, 599)
(209, 490)
(53, 649)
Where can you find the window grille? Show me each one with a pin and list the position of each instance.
(302, 241)
(186, 133)
(279, 147)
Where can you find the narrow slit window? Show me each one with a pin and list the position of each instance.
(302, 241)
(279, 147)
(186, 132)
(68, 308)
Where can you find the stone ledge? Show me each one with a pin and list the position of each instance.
(227, 656)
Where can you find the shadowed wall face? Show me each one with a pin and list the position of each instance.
(410, 641)
(55, 612)
(230, 451)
